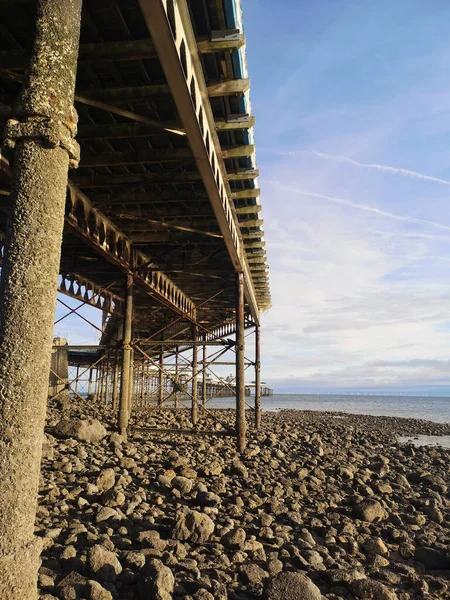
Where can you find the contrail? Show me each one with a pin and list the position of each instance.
(352, 204)
(384, 168)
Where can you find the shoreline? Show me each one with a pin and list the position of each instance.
(339, 500)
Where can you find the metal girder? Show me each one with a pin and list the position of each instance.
(132, 130)
(226, 87)
(176, 46)
(80, 288)
(89, 224)
(105, 159)
(125, 51)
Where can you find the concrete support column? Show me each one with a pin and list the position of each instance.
(204, 380)
(133, 384)
(90, 382)
(257, 377)
(43, 141)
(76, 380)
(161, 379)
(126, 359)
(194, 407)
(241, 425)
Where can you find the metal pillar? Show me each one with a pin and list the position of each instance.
(161, 379)
(115, 393)
(126, 359)
(76, 380)
(240, 365)
(43, 138)
(194, 406)
(90, 382)
(132, 382)
(204, 380)
(257, 377)
(176, 378)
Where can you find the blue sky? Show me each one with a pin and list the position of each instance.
(352, 101)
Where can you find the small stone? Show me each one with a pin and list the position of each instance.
(431, 558)
(156, 582)
(182, 484)
(253, 574)
(104, 564)
(98, 592)
(105, 481)
(234, 538)
(193, 526)
(106, 513)
(370, 510)
(375, 545)
(369, 589)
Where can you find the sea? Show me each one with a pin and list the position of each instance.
(431, 408)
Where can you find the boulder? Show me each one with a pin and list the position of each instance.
(193, 526)
(83, 430)
(291, 586)
(369, 589)
(104, 565)
(431, 558)
(369, 510)
(156, 582)
(105, 481)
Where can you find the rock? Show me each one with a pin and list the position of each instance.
(375, 545)
(207, 499)
(182, 484)
(238, 468)
(234, 538)
(104, 564)
(113, 498)
(87, 430)
(152, 539)
(370, 510)
(291, 586)
(106, 513)
(253, 574)
(98, 592)
(369, 589)
(156, 582)
(194, 526)
(105, 481)
(431, 558)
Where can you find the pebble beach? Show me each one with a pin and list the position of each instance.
(320, 505)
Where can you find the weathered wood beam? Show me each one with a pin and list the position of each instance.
(238, 123)
(251, 193)
(243, 175)
(238, 151)
(221, 41)
(251, 223)
(249, 244)
(249, 210)
(228, 87)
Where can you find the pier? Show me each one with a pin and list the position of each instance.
(128, 182)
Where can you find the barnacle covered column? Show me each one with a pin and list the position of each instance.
(42, 134)
(125, 385)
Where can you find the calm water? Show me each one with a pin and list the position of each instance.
(425, 407)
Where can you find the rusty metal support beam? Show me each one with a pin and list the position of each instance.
(178, 53)
(129, 50)
(258, 377)
(126, 359)
(241, 425)
(89, 224)
(29, 280)
(194, 404)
